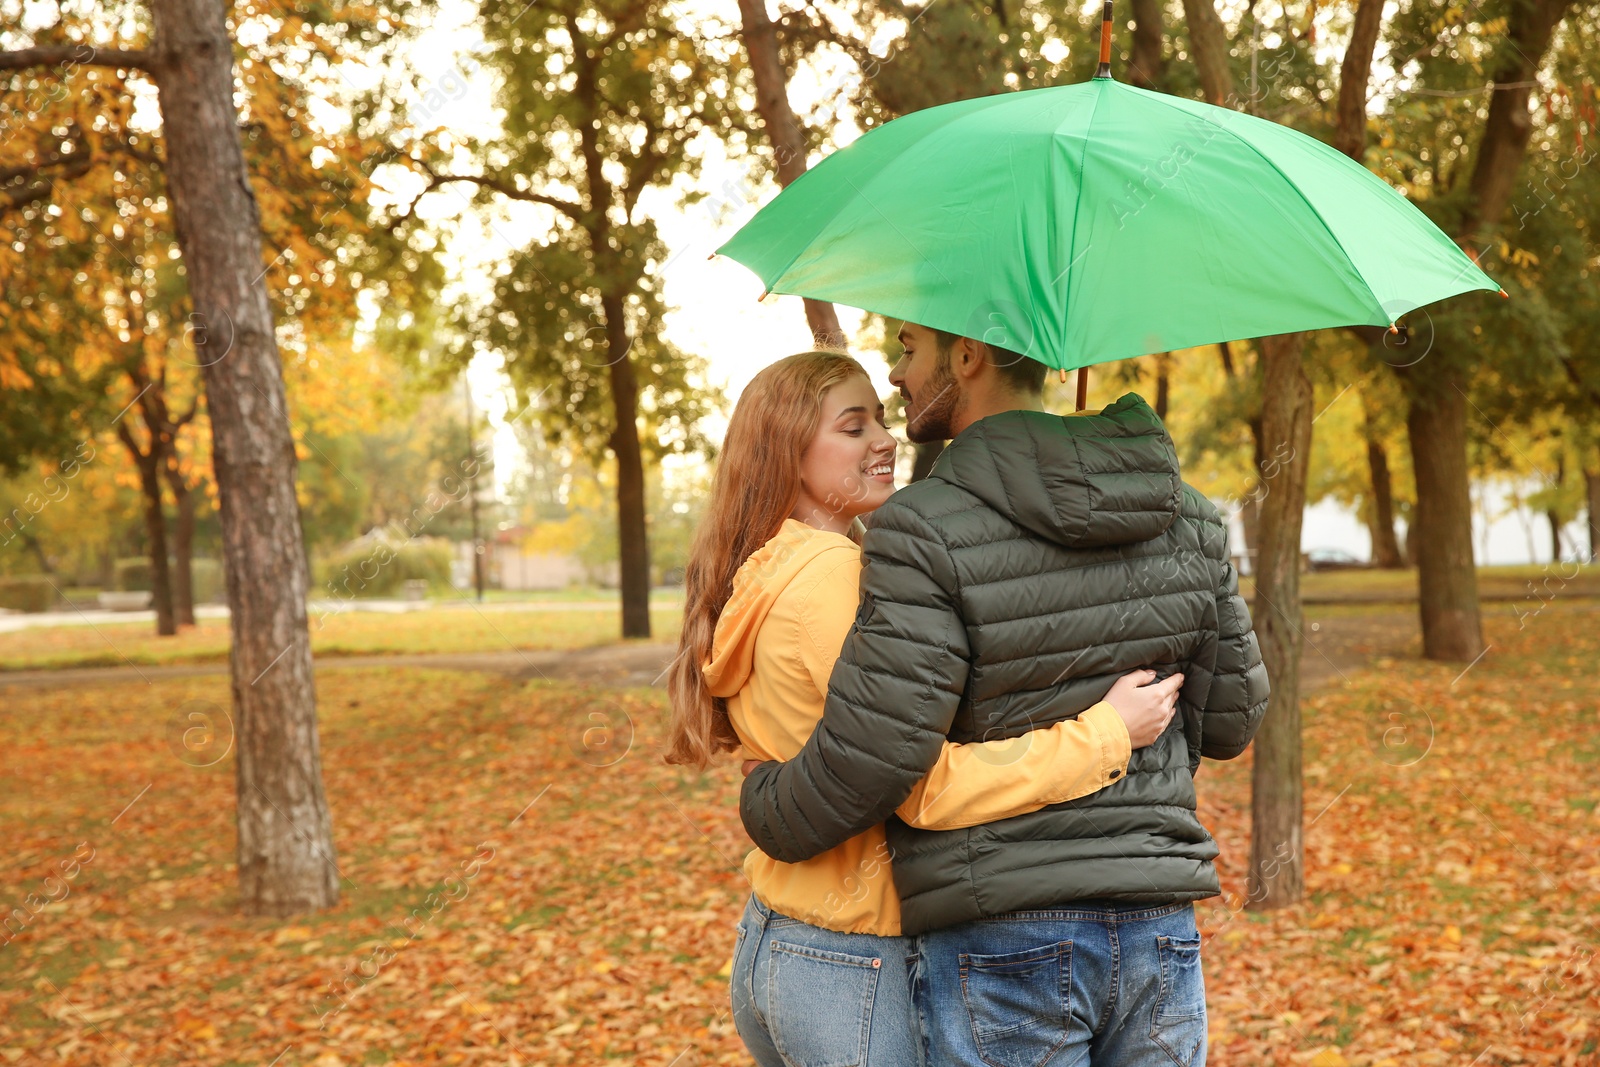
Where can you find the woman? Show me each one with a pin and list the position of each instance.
(770, 594)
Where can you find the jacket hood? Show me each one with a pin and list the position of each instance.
(1083, 481)
(757, 584)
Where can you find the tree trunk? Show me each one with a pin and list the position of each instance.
(1208, 47)
(1437, 421)
(1350, 137)
(1530, 27)
(632, 537)
(1146, 67)
(1441, 532)
(1386, 550)
(1250, 509)
(182, 547)
(1551, 515)
(1408, 544)
(285, 841)
(1350, 132)
(1250, 526)
(1276, 854)
(788, 140)
(155, 526)
(1385, 545)
(1591, 481)
(32, 544)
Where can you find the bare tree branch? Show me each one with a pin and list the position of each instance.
(77, 55)
(569, 208)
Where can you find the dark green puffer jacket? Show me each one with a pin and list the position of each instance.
(1044, 557)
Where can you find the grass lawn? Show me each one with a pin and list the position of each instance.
(1451, 914)
(454, 629)
(554, 621)
(1530, 582)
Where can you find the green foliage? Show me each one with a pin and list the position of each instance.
(1425, 143)
(605, 97)
(676, 508)
(379, 567)
(28, 592)
(69, 516)
(206, 581)
(132, 575)
(409, 473)
(568, 508)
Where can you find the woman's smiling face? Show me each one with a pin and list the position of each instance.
(848, 468)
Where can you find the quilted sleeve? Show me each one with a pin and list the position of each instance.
(891, 698)
(1239, 689)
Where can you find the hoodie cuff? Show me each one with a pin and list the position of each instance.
(1111, 733)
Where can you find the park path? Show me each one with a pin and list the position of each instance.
(1335, 646)
(12, 622)
(622, 665)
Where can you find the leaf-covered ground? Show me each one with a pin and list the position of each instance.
(1452, 910)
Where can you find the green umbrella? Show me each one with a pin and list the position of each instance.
(1086, 223)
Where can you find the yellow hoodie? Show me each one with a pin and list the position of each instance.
(792, 605)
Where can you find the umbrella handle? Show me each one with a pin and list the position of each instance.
(1083, 378)
(1105, 43)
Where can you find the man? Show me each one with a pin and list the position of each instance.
(1043, 557)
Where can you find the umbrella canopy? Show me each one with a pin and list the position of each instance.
(1092, 222)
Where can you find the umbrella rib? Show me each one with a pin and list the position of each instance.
(1268, 160)
(978, 108)
(1077, 213)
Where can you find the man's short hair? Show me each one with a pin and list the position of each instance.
(1022, 373)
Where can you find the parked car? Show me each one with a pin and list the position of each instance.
(1334, 559)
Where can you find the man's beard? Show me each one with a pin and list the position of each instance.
(932, 423)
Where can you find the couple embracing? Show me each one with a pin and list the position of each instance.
(971, 712)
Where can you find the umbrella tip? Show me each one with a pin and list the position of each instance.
(1505, 294)
(1393, 328)
(764, 294)
(712, 256)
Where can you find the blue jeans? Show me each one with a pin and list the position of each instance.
(808, 997)
(1103, 985)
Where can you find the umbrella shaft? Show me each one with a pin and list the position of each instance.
(1105, 43)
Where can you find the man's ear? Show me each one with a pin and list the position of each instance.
(967, 357)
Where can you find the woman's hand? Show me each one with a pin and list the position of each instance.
(1146, 706)
(750, 765)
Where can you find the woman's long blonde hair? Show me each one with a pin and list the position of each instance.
(755, 487)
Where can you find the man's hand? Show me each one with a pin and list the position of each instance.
(1146, 706)
(750, 765)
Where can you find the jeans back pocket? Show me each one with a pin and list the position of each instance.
(820, 1004)
(1178, 1024)
(1020, 1003)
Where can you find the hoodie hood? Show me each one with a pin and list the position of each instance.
(1082, 481)
(757, 584)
